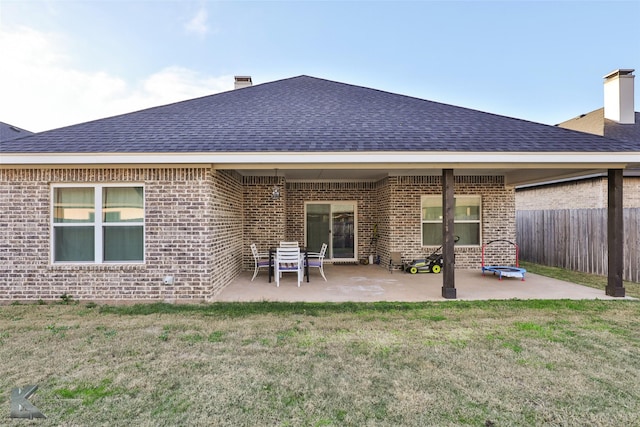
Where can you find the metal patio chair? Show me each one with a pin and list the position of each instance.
(289, 260)
(260, 260)
(316, 260)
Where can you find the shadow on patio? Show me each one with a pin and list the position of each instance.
(360, 283)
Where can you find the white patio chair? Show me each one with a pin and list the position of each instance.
(289, 245)
(316, 260)
(260, 260)
(288, 260)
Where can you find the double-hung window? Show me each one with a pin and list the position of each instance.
(97, 224)
(467, 221)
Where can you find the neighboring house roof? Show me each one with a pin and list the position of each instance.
(595, 123)
(9, 132)
(306, 114)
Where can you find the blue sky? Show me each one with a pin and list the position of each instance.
(65, 62)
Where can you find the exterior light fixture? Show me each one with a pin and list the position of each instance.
(275, 192)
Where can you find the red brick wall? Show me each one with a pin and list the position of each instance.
(392, 203)
(584, 194)
(363, 193)
(178, 205)
(225, 236)
(498, 216)
(264, 218)
(199, 223)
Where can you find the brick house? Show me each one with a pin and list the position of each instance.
(107, 210)
(571, 203)
(616, 120)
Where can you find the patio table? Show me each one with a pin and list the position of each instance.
(272, 252)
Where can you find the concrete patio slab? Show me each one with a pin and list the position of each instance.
(370, 283)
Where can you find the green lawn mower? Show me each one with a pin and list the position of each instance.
(431, 264)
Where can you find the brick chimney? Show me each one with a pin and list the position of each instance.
(618, 96)
(242, 81)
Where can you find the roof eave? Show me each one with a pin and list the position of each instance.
(267, 160)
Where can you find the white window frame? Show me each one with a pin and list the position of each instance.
(474, 221)
(98, 223)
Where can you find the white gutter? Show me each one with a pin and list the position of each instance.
(266, 160)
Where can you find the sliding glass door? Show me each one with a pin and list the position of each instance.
(318, 229)
(333, 223)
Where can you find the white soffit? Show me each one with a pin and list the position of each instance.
(517, 168)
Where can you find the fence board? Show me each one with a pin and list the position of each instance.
(576, 239)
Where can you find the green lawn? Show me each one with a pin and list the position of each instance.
(450, 363)
(632, 289)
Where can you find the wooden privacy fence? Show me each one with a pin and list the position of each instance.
(576, 239)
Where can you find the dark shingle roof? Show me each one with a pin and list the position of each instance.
(307, 114)
(627, 132)
(595, 123)
(9, 132)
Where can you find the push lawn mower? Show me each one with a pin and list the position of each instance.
(431, 264)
